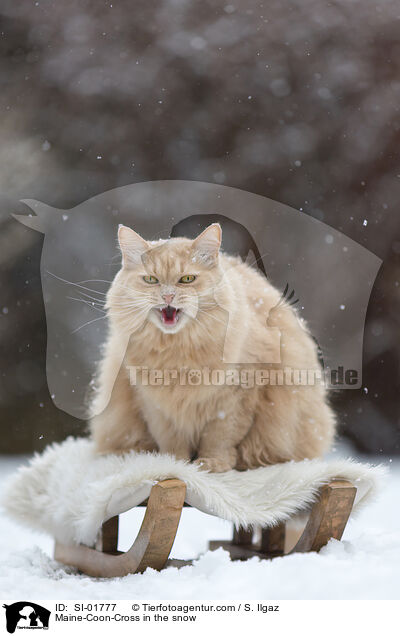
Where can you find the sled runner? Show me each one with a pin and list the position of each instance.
(76, 496)
(152, 546)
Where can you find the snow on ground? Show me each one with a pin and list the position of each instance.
(365, 565)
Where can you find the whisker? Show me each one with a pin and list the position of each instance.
(257, 260)
(88, 323)
(131, 306)
(129, 328)
(95, 280)
(70, 282)
(86, 302)
(99, 301)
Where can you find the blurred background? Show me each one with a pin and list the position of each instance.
(295, 101)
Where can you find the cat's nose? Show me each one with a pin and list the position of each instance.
(168, 298)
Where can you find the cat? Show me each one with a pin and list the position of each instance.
(181, 304)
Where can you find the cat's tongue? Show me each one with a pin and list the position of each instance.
(169, 315)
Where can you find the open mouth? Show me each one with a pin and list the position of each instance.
(170, 315)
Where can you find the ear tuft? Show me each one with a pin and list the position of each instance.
(132, 245)
(208, 243)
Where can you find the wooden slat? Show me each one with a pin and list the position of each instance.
(327, 520)
(178, 563)
(328, 516)
(237, 552)
(108, 536)
(273, 540)
(242, 536)
(153, 542)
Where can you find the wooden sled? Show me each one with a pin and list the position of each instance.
(153, 544)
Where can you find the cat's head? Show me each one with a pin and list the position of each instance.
(167, 282)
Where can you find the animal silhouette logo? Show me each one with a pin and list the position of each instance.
(332, 274)
(26, 615)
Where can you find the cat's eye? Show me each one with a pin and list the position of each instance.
(152, 280)
(188, 278)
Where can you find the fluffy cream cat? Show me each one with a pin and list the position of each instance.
(179, 305)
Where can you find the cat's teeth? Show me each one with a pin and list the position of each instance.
(169, 315)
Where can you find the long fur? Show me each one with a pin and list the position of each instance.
(69, 490)
(229, 316)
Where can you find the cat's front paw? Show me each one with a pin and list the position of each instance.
(214, 464)
(143, 446)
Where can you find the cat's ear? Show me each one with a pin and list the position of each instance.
(132, 245)
(208, 243)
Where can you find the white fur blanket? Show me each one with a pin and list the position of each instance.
(68, 491)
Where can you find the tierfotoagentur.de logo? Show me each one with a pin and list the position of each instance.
(26, 615)
(296, 253)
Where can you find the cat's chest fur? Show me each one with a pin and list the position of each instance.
(182, 393)
(182, 405)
